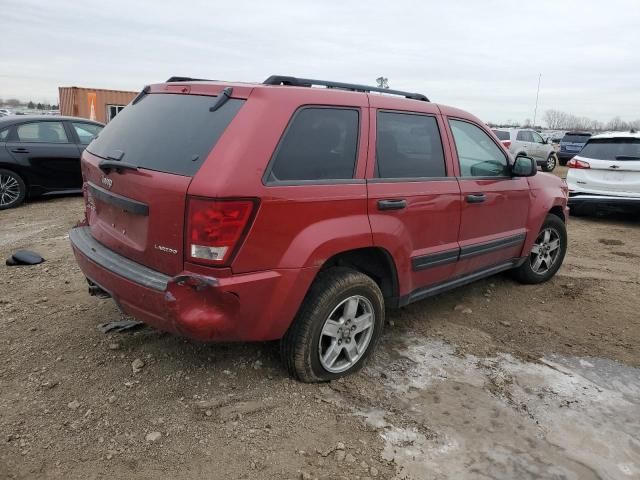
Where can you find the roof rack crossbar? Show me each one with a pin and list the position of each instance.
(187, 79)
(306, 82)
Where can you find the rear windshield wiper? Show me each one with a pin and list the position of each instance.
(627, 157)
(106, 165)
(222, 99)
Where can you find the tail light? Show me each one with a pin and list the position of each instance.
(573, 163)
(215, 228)
(507, 144)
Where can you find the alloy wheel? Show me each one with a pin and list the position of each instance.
(9, 190)
(551, 162)
(545, 251)
(346, 334)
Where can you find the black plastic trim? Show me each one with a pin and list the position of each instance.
(128, 205)
(488, 247)
(82, 240)
(425, 292)
(435, 259)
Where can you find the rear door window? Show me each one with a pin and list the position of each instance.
(4, 134)
(408, 146)
(166, 132)
(478, 155)
(620, 149)
(524, 136)
(42, 132)
(320, 144)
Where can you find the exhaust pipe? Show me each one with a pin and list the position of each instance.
(97, 291)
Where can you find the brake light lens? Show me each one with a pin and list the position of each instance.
(506, 143)
(214, 228)
(573, 163)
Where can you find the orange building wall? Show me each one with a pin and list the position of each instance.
(75, 101)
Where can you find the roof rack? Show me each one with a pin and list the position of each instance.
(187, 79)
(306, 82)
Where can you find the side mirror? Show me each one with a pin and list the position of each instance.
(524, 167)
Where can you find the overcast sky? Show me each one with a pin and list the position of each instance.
(482, 56)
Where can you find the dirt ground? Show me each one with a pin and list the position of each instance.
(536, 382)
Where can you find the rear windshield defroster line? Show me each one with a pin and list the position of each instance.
(169, 133)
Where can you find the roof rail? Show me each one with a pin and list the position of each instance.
(306, 82)
(187, 79)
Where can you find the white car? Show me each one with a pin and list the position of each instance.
(529, 143)
(606, 173)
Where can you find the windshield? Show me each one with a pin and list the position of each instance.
(165, 132)
(501, 135)
(612, 149)
(575, 138)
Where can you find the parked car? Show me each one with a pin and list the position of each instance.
(529, 143)
(606, 173)
(40, 155)
(252, 212)
(571, 144)
(4, 112)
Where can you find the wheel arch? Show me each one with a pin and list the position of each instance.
(375, 262)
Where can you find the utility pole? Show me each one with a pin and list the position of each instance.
(535, 112)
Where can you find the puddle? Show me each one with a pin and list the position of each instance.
(499, 417)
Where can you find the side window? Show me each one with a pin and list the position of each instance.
(524, 136)
(86, 131)
(477, 154)
(536, 137)
(4, 134)
(408, 146)
(42, 132)
(319, 144)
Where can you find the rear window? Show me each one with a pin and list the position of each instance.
(575, 138)
(502, 135)
(612, 149)
(166, 132)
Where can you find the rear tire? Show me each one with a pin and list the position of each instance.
(12, 189)
(328, 339)
(546, 255)
(550, 164)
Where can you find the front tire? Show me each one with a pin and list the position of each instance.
(12, 189)
(547, 253)
(550, 164)
(337, 327)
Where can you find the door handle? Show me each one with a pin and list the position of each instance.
(392, 204)
(476, 198)
(20, 150)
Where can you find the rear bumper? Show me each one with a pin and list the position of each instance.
(580, 198)
(250, 307)
(566, 155)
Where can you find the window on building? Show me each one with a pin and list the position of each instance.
(113, 110)
(408, 146)
(319, 144)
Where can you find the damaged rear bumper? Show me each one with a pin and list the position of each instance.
(249, 307)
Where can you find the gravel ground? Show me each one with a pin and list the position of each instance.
(535, 382)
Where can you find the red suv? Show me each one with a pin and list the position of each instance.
(249, 212)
